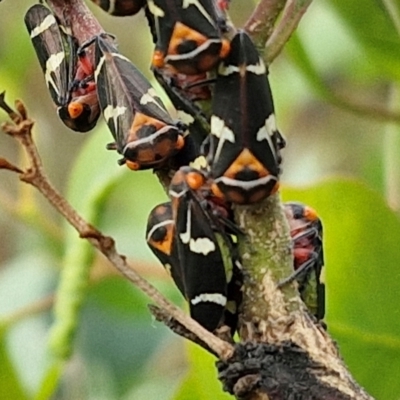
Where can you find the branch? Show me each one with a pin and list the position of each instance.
(291, 15)
(35, 176)
(283, 352)
(261, 22)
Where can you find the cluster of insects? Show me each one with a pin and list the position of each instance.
(228, 155)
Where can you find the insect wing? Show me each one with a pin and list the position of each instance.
(123, 92)
(188, 112)
(202, 264)
(160, 236)
(48, 42)
(306, 231)
(188, 34)
(243, 110)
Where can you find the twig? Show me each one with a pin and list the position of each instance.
(34, 175)
(291, 15)
(261, 22)
(161, 316)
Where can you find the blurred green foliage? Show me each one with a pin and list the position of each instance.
(332, 87)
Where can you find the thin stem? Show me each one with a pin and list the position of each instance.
(261, 22)
(291, 16)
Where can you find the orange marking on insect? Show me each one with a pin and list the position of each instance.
(158, 59)
(216, 191)
(164, 245)
(181, 34)
(246, 160)
(180, 143)
(310, 214)
(141, 119)
(75, 109)
(133, 165)
(225, 48)
(195, 180)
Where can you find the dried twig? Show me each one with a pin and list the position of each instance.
(35, 175)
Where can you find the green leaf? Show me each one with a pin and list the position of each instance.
(201, 382)
(371, 25)
(361, 245)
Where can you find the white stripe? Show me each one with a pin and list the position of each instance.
(185, 236)
(111, 8)
(216, 298)
(191, 54)
(119, 55)
(98, 68)
(155, 10)
(222, 132)
(172, 193)
(157, 226)
(46, 23)
(199, 245)
(267, 131)
(226, 70)
(246, 185)
(52, 63)
(257, 69)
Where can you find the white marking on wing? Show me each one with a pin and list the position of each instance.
(200, 163)
(216, 298)
(202, 246)
(184, 117)
(149, 97)
(99, 67)
(266, 132)
(185, 236)
(52, 63)
(46, 23)
(270, 124)
(122, 57)
(222, 132)
(199, 245)
(258, 69)
(226, 70)
(113, 113)
(196, 3)
(155, 10)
